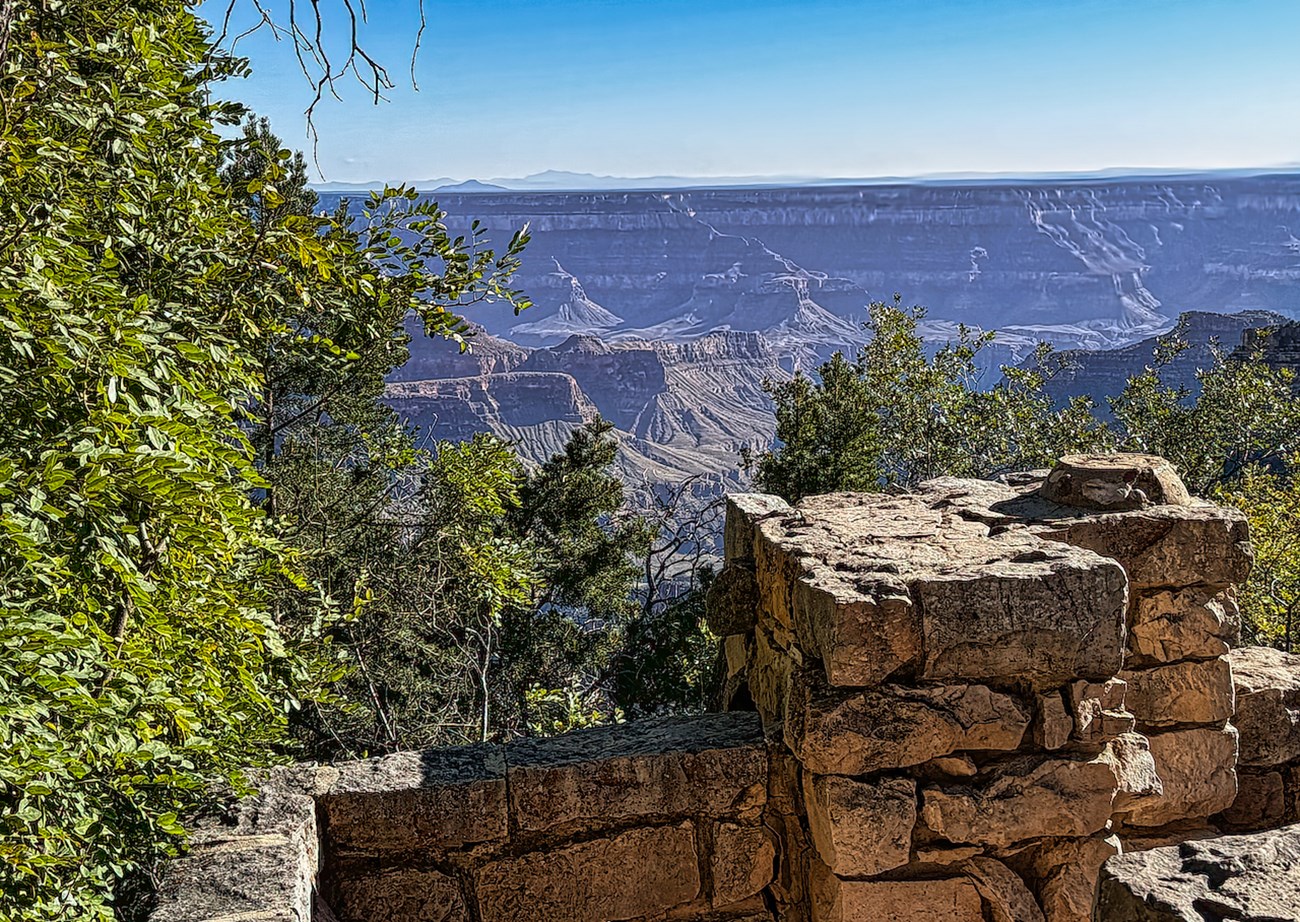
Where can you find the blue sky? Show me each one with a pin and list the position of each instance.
(814, 88)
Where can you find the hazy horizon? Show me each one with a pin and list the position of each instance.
(823, 88)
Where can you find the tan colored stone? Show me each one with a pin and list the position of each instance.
(771, 671)
(400, 895)
(862, 632)
(1052, 722)
(952, 899)
(1023, 799)
(1180, 693)
(635, 873)
(1260, 802)
(1098, 710)
(644, 771)
(860, 828)
(1268, 705)
(432, 800)
(1114, 482)
(744, 511)
(1197, 770)
(1165, 547)
(951, 766)
(1173, 625)
(1063, 873)
(731, 604)
(1005, 894)
(854, 733)
(950, 854)
(743, 860)
(1137, 781)
(1043, 616)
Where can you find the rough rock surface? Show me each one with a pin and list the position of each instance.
(1251, 878)
(1197, 770)
(893, 726)
(861, 828)
(1114, 482)
(1189, 692)
(1025, 798)
(1172, 625)
(949, 899)
(1268, 705)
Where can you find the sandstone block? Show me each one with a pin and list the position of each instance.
(1180, 693)
(435, 799)
(1268, 705)
(1250, 878)
(1053, 724)
(403, 895)
(1172, 625)
(731, 604)
(1005, 894)
(950, 767)
(1036, 615)
(949, 854)
(743, 859)
(854, 733)
(744, 511)
(1114, 482)
(1023, 799)
(1197, 770)
(860, 828)
(1063, 873)
(1165, 547)
(635, 873)
(951, 899)
(265, 864)
(1260, 802)
(771, 671)
(1137, 780)
(651, 770)
(1098, 711)
(863, 632)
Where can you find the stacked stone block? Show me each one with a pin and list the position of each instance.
(1268, 719)
(984, 687)
(655, 819)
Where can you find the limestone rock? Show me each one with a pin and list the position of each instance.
(1023, 799)
(863, 633)
(265, 864)
(712, 765)
(1172, 625)
(1180, 693)
(1053, 724)
(950, 899)
(771, 671)
(1260, 803)
(945, 854)
(744, 511)
(434, 799)
(1165, 547)
(861, 828)
(1114, 482)
(1063, 872)
(950, 766)
(731, 604)
(1197, 770)
(401, 895)
(743, 858)
(1250, 878)
(833, 732)
(1098, 710)
(635, 873)
(1268, 705)
(1043, 616)
(1007, 897)
(1137, 780)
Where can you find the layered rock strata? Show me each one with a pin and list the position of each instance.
(986, 689)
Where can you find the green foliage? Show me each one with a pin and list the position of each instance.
(896, 416)
(167, 341)
(1270, 600)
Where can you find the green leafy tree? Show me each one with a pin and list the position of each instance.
(897, 415)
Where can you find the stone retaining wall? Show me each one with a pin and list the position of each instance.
(987, 689)
(949, 706)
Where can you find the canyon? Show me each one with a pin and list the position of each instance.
(666, 310)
